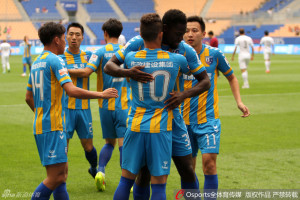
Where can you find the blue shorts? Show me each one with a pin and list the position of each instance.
(26, 60)
(52, 147)
(207, 142)
(113, 123)
(181, 145)
(79, 120)
(151, 149)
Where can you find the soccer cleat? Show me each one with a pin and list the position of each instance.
(8, 70)
(245, 86)
(100, 181)
(93, 172)
(24, 74)
(267, 71)
(3, 72)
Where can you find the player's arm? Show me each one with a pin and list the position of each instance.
(29, 99)
(113, 68)
(252, 55)
(232, 57)
(82, 73)
(79, 93)
(235, 89)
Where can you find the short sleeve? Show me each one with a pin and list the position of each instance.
(95, 60)
(223, 64)
(194, 63)
(61, 73)
(132, 45)
(183, 64)
(29, 84)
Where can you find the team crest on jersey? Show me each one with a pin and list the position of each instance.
(86, 58)
(209, 59)
(94, 58)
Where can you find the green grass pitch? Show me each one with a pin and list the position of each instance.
(259, 152)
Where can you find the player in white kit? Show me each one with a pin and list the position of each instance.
(5, 52)
(268, 43)
(244, 42)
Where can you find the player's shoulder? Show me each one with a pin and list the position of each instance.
(212, 50)
(135, 39)
(86, 52)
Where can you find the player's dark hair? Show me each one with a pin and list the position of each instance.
(210, 33)
(77, 25)
(266, 32)
(174, 16)
(197, 19)
(49, 31)
(113, 27)
(151, 26)
(242, 31)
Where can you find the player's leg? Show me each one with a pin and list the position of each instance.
(267, 61)
(243, 62)
(3, 65)
(24, 61)
(119, 118)
(158, 186)
(133, 160)
(84, 130)
(141, 187)
(7, 64)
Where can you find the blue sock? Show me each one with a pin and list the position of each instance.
(24, 68)
(121, 149)
(211, 183)
(123, 190)
(189, 185)
(197, 181)
(41, 193)
(92, 157)
(60, 193)
(158, 191)
(105, 156)
(141, 193)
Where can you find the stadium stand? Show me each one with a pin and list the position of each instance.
(225, 8)
(218, 26)
(134, 9)
(41, 10)
(275, 6)
(189, 7)
(288, 30)
(17, 30)
(9, 11)
(100, 9)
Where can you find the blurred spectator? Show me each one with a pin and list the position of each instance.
(213, 40)
(44, 10)
(37, 10)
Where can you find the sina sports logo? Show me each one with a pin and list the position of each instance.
(180, 194)
(209, 60)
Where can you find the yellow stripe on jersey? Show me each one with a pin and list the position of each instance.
(162, 55)
(141, 54)
(120, 46)
(44, 56)
(137, 119)
(155, 121)
(52, 109)
(72, 100)
(124, 99)
(227, 72)
(201, 112)
(128, 117)
(100, 82)
(85, 102)
(64, 78)
(109, 47)
(111, 104)
(82, 54)
(29, 85)
(39, 121)
(202, 57)
(216, 97)
(197, 69)
(69, 58)
(170, 118)
(186, 104)
(121, 54)
(91, 64)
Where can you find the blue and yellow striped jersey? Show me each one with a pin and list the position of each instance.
(77, 61)
(46, 78)
(200, 109)
(27, 52)
(104, 81)
(147, 113)
(194, 63)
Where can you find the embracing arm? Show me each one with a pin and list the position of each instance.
(82, 73)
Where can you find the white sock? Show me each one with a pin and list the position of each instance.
(8, 66)
(267, 63)
(4, 68)
(245, 77)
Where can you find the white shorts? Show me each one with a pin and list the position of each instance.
(5, 60)
(267, 55)
(244, 61)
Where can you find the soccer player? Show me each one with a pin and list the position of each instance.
(201, 113)
(268, 43)
(148, 139)
(5, 52)
(77, 111)
(113, 112)
(27, 55)
(244, 43)
(44, 93)
(174, 28)
(213, 40)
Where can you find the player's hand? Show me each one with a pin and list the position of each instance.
(244, 110)
(138, 75)
(109, 93)
(174, 101)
